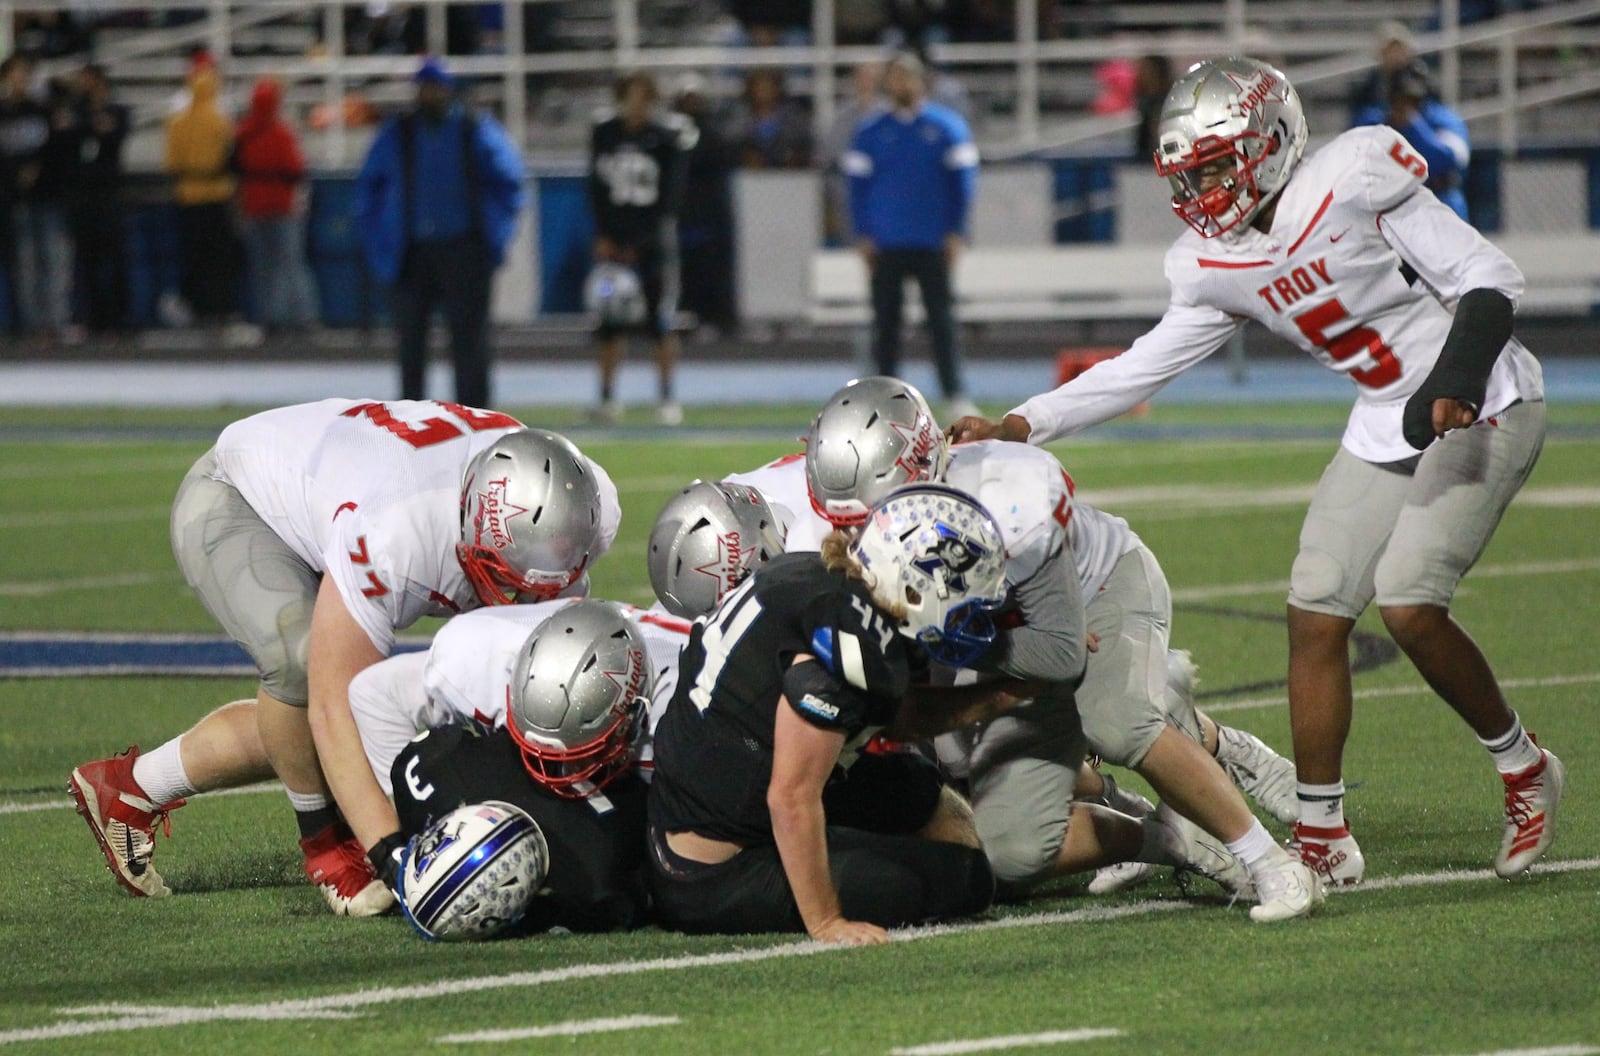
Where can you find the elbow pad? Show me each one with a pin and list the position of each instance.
(1479, 333)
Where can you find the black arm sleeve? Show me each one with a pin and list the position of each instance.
(1479, 333)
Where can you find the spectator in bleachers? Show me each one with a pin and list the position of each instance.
(636, 172)
(1394, 49)
(866, 100)
(436, 204)
(705, 222)
(50, 33)
(48, 231)
(1153, 79)
(24, 130)
(1433, 129)
(97, 207)
(199, 149)
(768, 129)
(913, 175)
(272, 172)
(772, 23)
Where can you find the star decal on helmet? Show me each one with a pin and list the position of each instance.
(727, 568)
(1256, 88)
(631, 680)
(916, 452)
(494, 515)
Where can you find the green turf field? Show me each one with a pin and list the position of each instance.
(1431, 956)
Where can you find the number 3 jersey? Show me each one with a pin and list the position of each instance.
(713, 747)
(1334, 277)
(370, 494)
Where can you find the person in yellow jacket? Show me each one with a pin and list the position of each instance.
(199, 150)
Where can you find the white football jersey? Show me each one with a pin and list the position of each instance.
(1327, 278)
(782, 483)
(1032, 496)
(466, 675)
(370, 493)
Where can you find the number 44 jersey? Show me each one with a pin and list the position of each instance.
(370, 493)
(1362, 269)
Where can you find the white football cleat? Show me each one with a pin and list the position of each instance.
(1124, 876)
(1531, 800)
(1285, 888)
(1259, 772)
(1332, 854)
(669, 413)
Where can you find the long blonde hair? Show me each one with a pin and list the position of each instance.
(837, 557)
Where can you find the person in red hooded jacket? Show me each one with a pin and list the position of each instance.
(271, 171)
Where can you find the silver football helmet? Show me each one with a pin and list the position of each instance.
(938, 554)
(530, 517)
(578, 694)
(613, 294)
(706, 540)
(872, 436)
(1232, 131)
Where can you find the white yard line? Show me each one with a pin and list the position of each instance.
(1279, 700)
(67, 804)
(143, 1017)
(1009, 1041)
(1554, 1050)
(572, 1028)
(43, 588)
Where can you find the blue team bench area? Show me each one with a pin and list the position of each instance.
(1031, 218)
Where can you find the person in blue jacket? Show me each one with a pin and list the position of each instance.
(913, 172)
(1433, 129)
(436, 204)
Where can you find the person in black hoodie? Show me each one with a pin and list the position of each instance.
(96, 207)
(24, 128)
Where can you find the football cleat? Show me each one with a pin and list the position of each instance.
(670, 412)
(1532, 796)
(123, 820)
(339, 867)
(1332, 854)
(1124, 801)
(1124, 876)
(1258, 771)
(1285, 888)
(1205, 855)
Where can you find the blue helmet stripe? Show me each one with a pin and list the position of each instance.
(499, 840)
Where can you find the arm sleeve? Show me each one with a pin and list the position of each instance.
(961, 173)
(1186, 334)
(1050, 643)
(823, 699)
(371, 593)
(1448, 252)
(858, 165)
(371, 180)
(390, 707)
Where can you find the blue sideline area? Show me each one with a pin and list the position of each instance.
(85, 654)
(1084, 207)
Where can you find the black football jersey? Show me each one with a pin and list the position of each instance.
(636, 178)
(713, 747)
(597, 844)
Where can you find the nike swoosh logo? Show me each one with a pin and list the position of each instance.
(1341, 234)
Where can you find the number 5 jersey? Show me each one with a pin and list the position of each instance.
(1362, 269)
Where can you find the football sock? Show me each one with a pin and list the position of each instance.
(1513, 751)
(312, 812)
(160, 773)
(1162, 845)
(1253, 847)
(1321, 806)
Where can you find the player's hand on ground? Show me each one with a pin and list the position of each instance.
(841, 932)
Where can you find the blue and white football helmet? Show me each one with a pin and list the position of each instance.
(936, 553)
(473, 872)
(614, 295)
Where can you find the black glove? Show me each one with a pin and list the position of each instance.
(385, 859)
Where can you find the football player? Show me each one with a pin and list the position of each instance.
(763, 815)
(636, 172)
(549, 721)
(875, 433)
(313, 533)
(1349, 256)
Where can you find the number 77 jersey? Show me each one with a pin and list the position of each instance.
(1362, 269)
(370, 493)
